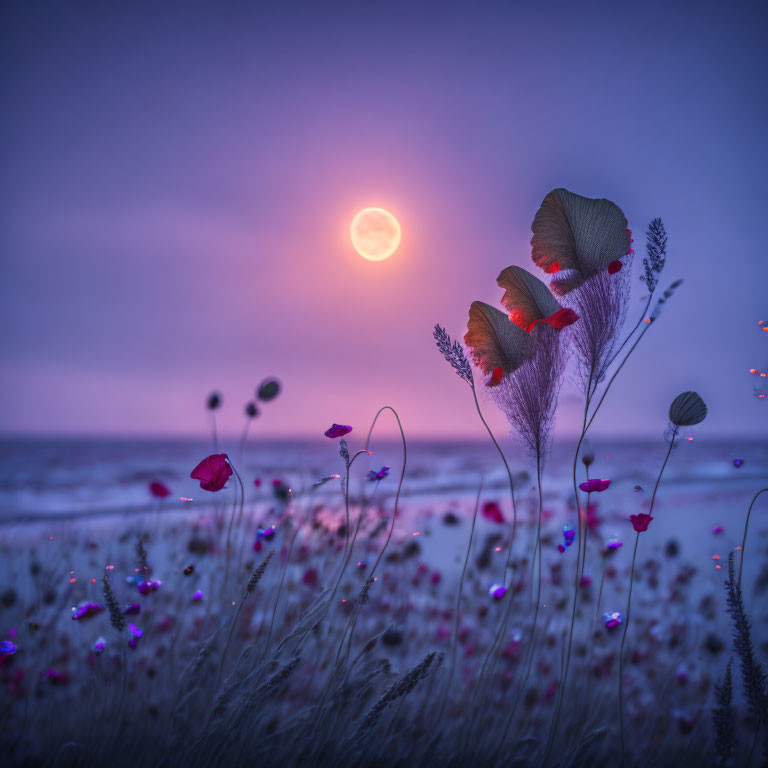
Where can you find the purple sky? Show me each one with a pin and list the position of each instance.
(178, 180)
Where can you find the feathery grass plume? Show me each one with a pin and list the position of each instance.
(601, 303)
(116, 617)
(656, 249)
(401, 687)
(753, 674)
(453, 353)
(528, 396)
(723, 719)
(257, 574)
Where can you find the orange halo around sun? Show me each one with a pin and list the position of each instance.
(375, 233)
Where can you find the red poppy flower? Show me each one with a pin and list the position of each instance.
(213, 472)
(337, 430)
(640, 522)
(159, 490)
(596, 485)
(495, 378)
(558, 320)
(614, 267)
(492, 512)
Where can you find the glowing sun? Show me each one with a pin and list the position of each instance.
(375, 233)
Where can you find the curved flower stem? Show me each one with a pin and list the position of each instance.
(636, 326)
(530, 649)
(615, 374)
(458, 607)
(244, 437)
(381, 410)
(629, 597)
(581, 545)
(229, 528)
(746, 526)
(509, 475)
(213, 430)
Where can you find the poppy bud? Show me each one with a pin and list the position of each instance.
(251, 410)
(268, 390)
(687, 409)
(587, 454)
(214, 401)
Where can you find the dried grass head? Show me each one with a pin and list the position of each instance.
(601, 303)
(528, 398)
(575, 238)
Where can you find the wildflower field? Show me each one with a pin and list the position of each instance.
(516, 601)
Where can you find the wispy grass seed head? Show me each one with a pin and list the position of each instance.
(453, 352)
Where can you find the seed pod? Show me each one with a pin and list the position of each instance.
(687, 409)
(268, 390)
(214, 401)
(251, 410)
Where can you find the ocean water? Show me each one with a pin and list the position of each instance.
(44, 479)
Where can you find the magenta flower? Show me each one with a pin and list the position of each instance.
(612, 620)
(159, 490)
(86, 610)
(99, 645)
(337, 430)
(133, 609)
(497, 591)
(380, 475)
(595, 485)
(55, 677)
(197, 597)
(213, 472)
(145, 587)
(136, 635)
(640, 522)
(492, 512)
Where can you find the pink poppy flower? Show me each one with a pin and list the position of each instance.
(159, 490)
(596, 485)
(213, 472)
(337, 430)
(640, 522)
(492, 512)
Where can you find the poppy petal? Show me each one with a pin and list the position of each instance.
(495, 341)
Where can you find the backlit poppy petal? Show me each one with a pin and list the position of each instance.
(495, 341)
(213, 472)
(526, 298)
(578, 233)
